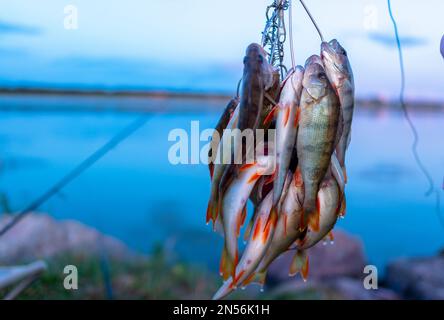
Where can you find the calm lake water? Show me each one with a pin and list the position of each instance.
(135, 194)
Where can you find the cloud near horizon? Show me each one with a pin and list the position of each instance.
(389, 40)
(8, 27)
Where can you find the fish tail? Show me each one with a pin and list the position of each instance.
(212, 210)
(228, 264)
(256, 277)
(300, 264)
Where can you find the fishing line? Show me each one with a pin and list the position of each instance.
(415, 144)
(312, 20)
(77, 171)
(290, 31)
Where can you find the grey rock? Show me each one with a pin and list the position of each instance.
(353, 289)
(40, 236)
(345, 258)
(421, 279)
(341, 288)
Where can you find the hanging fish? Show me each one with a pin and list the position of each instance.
(287, 229)
(259, 88)
(340, 74)
(317, 131)
(218, 132)
(234, 211)
(259, 240)
(287, 112)
(222, 160)
(329, 205)
(258, 77)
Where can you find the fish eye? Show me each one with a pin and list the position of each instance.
(322, 76)
(246, 60)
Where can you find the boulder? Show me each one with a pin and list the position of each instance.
(344, 258)
(41, 236)
(341, 288)
(421, 279)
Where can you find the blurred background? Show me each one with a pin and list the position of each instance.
(75, 73)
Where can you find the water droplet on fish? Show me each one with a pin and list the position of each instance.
(242, 288)
(262, 289)
(324, 243)
(332, 242)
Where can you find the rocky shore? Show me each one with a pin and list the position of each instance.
(336, 270)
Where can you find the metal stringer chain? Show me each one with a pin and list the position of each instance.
(275, 34)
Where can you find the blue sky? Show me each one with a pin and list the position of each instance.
(198, 45)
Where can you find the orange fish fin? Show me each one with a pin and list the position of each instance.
(286, 115)
(212, 211)
(256, 277)
(300, 264)
(314, 221)
(228, 265)
(343, 207)
(331, 236)
(257, 229)
(298, 116)
(247, 166)
(297, 178)
(302, 222)
(237, 278)
(256, 176)
(271, 115)
(270, 225)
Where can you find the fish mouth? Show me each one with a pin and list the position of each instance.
(327, 55)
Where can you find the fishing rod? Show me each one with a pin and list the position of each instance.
(77, 171)
(402, 102)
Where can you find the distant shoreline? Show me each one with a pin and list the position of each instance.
(42, 99)
(113, 92)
